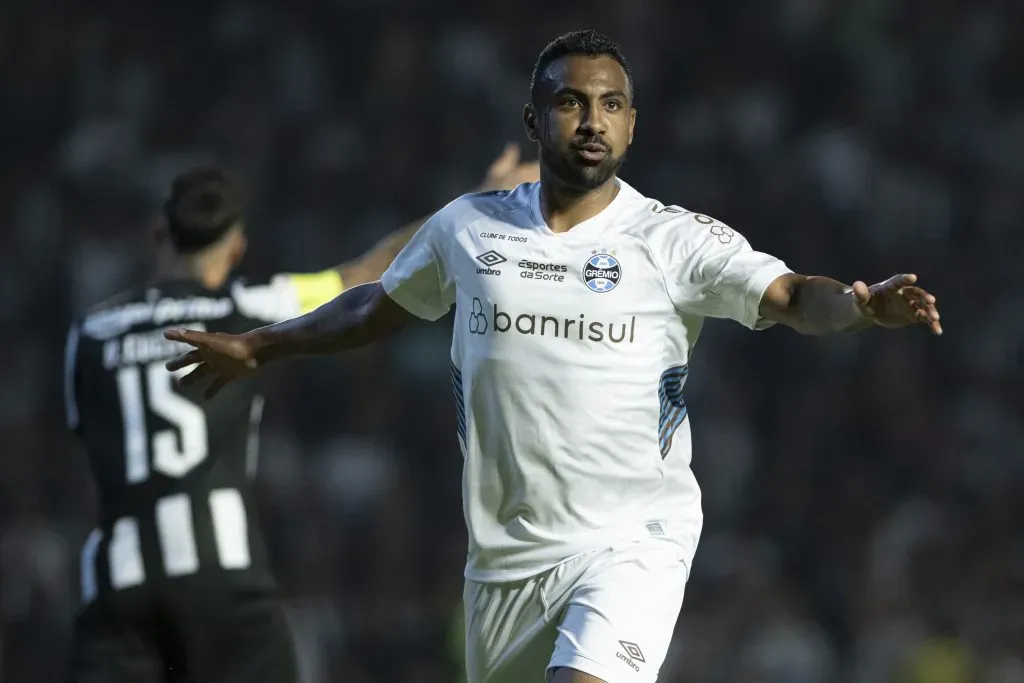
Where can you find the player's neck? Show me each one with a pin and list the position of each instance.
(194, 268)
(564, 208)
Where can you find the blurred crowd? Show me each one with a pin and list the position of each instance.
(862, 494)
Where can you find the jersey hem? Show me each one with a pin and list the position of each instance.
(686, 538)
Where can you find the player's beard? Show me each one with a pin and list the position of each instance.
(578, 176)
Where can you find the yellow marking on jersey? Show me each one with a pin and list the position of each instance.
(315, 289)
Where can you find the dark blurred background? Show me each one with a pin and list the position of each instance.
(863, 494)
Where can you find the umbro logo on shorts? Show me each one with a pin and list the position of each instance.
(633, 650)
(632, 656)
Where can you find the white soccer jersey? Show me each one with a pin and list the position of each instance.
(568, 358)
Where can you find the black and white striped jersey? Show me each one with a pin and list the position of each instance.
(173, 471)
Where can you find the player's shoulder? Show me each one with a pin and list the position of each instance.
(497, 205)
(118, 300)
(673, 226)
(156, 305)
(114, 314)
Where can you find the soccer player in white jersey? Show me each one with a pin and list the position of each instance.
(578, 302)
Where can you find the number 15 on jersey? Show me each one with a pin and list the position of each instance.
(175, 451)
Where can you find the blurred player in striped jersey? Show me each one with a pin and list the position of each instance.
(175, 580)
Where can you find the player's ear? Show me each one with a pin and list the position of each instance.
(632, 123)
(530, 123)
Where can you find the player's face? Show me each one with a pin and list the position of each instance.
(583, 120)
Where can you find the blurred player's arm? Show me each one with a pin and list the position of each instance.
(288, 295)
(507, 171)
(819, 305)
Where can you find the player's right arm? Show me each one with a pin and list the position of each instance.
(359, 316)
(417, 284)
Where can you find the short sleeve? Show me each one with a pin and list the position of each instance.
(713, 271)
(418, 279)
(286, 295)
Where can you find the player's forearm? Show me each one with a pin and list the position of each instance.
(359, 316)
(814, 305)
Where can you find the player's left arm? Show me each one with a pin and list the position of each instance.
(714, 272)
(819, 305)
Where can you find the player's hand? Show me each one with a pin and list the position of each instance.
(508, 170)
(217, 356)
(897, 303)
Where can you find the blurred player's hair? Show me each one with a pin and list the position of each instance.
(204, 204)
(588, 43)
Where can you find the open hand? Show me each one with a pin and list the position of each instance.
(508, 170)
(897, 303)
(217, 356)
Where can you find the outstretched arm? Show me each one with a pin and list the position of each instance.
(819, 305)
(359, 316)
(712, 271)
(356, 318)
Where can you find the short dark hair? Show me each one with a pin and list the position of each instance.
(589, 43)
(205, 202)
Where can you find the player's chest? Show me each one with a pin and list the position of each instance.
(546, 273)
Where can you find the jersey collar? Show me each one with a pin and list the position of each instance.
(594, 225)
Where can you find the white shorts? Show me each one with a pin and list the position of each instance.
(608, 613)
